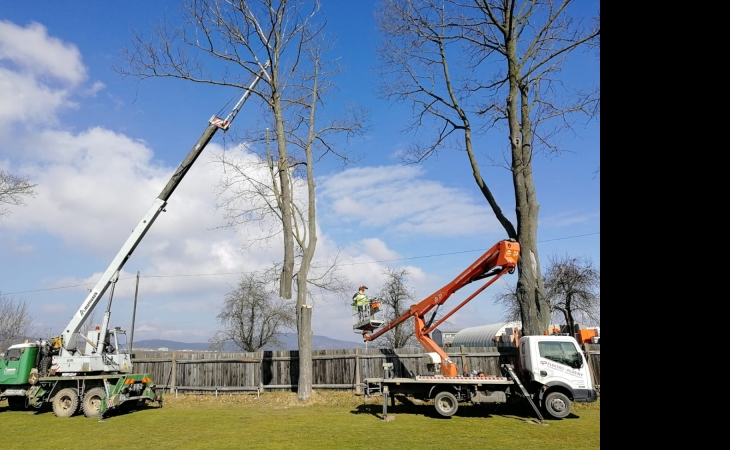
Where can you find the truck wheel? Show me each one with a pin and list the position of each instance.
(16, 403)
(557, 405)
(446, 403)
(65, 403)
(92, 401)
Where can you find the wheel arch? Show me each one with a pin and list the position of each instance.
(436, 388)
(557, 386)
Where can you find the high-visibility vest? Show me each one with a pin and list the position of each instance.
(359, 299)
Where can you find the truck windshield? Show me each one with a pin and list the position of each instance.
(12, 355)
(121, 342)
(561, 352)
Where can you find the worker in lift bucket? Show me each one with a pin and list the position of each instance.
(359, 301)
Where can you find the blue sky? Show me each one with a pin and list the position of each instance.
(101, 147)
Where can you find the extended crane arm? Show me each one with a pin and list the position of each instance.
(144, 225)
(497, 261)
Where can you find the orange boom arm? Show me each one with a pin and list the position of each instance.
(497, 261)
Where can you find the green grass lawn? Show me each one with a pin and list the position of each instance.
(278, 421)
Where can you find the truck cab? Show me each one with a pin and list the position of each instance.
(112, 348)
(15, 368)
(555, 368)
(17, 363)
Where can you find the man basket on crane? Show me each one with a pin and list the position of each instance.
(365, 309)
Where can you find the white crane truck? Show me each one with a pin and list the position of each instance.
(98, 377)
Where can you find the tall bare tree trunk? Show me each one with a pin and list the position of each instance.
(534, 308)
(287, 270)
(304, 336)
(304, 322)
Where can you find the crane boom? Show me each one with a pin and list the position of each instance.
(494, 263)
(158, 205)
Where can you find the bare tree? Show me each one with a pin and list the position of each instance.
(15, 321)
(572, 285)
(397, 297)
(573, 288)
(253, 315)
(470, 66)
(251, 198)
(508, 299)
(13, 190)
(242, 35)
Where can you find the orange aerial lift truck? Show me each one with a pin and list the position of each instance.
(553, 370)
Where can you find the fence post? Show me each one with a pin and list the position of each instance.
(590, 367)
(463, 359)
(261, 375)
(173, 378)
(357, 371)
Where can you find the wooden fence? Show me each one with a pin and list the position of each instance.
(199, 372)
(593, 356)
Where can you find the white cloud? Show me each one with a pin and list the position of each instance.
(38, 73)
(94, 89)
(27, 102)
(378, 249)
(399, 199)
(39, 55)
(95, 180)
(97, 207)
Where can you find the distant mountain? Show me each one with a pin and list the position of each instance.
(289, 341)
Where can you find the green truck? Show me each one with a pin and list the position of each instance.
(23, 386)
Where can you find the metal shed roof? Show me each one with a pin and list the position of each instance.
(482, 336)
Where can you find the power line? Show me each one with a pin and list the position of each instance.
(191, 275)
(50, 289)
(569, 237)
(465, 251)
(348, 264)
(411, 257)
(127, 278)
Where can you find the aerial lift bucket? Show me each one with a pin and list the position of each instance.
(368, 320)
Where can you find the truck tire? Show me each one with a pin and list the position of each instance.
(446, 403)
(65, 403)
(92, 402)
(557, 405)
